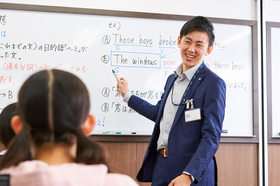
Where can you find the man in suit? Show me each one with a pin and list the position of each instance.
(188, 117)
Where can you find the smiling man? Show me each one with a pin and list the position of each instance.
(188, 117)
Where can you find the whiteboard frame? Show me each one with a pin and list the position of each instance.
(269, 26)
(109, 137)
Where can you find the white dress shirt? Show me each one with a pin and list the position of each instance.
(180, 85)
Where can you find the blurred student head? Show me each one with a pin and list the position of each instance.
(6, 131)
(53, 107)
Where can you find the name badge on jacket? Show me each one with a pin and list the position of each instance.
(192, 115)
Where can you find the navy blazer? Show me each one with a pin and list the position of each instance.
(191, 145)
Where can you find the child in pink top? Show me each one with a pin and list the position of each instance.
(38, 173)
(51, 146)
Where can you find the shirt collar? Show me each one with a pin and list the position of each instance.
(189, 73)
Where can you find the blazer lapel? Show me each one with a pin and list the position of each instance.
(191, 91)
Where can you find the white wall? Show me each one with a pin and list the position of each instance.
(237, 9)
(271, 10)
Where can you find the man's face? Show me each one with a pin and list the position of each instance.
(193, 48)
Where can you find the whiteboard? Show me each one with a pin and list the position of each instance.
(144, 50)
(275, 88)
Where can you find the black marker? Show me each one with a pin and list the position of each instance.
(116, 75)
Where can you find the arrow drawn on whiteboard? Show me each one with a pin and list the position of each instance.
(164, 56)
(3, 94)
(117, 47)
(116, 70)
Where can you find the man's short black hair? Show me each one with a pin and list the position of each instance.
(199, 23)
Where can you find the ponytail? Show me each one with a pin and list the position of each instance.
(88, 151)
(19, 150)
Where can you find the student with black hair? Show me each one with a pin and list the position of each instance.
(51, 146)
(6, 131)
